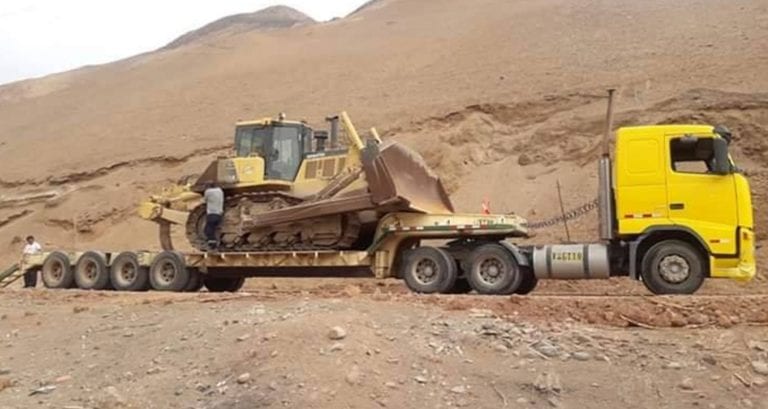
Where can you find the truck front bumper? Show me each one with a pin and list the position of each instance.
(744, 268)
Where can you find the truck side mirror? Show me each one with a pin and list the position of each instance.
(722, 165)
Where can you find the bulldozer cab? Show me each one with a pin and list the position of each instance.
(281, 145)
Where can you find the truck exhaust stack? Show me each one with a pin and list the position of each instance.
(605, 182)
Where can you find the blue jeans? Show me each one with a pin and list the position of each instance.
(212, 222)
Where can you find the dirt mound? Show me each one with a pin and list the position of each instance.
(270, 18)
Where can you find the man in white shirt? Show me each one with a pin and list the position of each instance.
(214, 203)
(32, 247)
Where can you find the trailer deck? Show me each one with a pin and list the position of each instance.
(396, 234)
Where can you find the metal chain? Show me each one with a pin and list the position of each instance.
(569, 215)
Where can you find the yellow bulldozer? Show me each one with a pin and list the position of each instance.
(290, 187)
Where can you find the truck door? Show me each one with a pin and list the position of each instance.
(699, 199)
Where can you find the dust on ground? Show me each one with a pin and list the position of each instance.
(370, 344)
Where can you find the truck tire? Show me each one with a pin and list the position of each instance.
(168, 272)
(673, 267)
(195, 281)
(91, 271)
(429, 270)
(493, 270)
(57, 272)
(223, 284)
(126, 274)
(529, 281)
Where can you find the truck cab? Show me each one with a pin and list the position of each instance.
(677, 184)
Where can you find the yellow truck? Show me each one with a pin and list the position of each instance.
(674, 210)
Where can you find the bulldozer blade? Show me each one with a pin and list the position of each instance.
(396, 174)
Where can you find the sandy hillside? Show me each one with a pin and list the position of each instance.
(502, 98)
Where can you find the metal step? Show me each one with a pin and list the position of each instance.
(10, 275)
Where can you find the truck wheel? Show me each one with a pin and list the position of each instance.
(127, 274)
(493, 270)
(57, 272)
(223, 284)
(91, 272)
(429, 270)
(168, 272)
(673, 267)
(529, 282)
(195, 281)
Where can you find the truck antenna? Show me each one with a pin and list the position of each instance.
(608, 125)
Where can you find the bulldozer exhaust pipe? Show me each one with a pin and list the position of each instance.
(334, 134)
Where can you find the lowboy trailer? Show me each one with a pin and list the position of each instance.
(396, 252)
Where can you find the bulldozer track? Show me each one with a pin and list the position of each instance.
(350, 229)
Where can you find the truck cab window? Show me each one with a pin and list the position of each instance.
(692, 155)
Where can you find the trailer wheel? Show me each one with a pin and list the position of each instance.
(224, 284)
(57, 271)
(168, 272)
(429, 270)
(493, 270)
(127, 274)
(91, 272)
(673, 267)
(195, 281)
(529, 282)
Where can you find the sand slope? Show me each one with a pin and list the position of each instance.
(477, 89)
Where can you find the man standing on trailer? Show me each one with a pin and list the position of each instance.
(32, 247)
(214, 204)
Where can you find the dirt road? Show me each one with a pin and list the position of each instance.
(276, 345)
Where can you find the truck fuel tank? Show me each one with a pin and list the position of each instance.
(571, 261)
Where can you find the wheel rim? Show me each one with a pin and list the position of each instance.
(491, 271)
(90, 271)
(674, 269)
(126, 273)
(166, 273)
(56, 271)
(425, 271)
